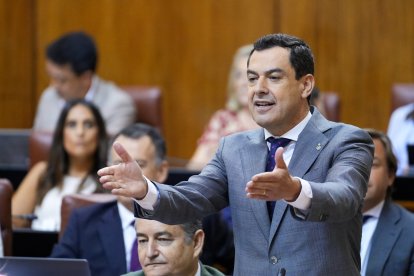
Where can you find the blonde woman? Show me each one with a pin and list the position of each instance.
(234, 118)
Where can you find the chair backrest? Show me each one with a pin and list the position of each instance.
(332, 105)
(148, 103)
(401, 94)
(73, 201)
(6, 192)
(39, 146)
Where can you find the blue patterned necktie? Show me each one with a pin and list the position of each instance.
(270, 165)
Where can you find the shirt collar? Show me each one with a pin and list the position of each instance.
(376, 210)
(92, 90)
(126, 216)
(198, 273)
(294, 132)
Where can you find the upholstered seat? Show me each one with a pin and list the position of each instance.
(332, 105)
(71, 202)
(6, 192)
(147, 101)
(401, 94)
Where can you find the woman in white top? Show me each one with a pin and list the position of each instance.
(78, 150)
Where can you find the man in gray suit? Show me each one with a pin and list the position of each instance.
(71, 64)
(316, 187)
(387, 246)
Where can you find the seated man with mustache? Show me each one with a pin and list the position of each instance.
(171, 249)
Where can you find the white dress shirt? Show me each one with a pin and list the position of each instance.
(401, 133)
(128, 231)
(48, 211)
(368, 229)
(1, 245)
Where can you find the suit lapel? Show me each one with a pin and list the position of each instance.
(310, 143)
(112, 238)
(253, 159)
(384, 238)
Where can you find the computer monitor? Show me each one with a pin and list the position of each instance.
(17, 266)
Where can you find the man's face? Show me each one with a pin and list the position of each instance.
(380, 178)
(277, 100)
(66, 82)
(164, 250)
(143, 151)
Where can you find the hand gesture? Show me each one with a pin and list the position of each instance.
(274, 185)
(126, 178)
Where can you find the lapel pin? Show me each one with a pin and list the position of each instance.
(318, 146)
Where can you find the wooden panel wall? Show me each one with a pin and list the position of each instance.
(186, 47)
(16, 63)
(361, 49)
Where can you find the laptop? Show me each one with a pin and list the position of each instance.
(22, 266)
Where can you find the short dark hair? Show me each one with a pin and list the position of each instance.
(386, 142)
(190, 228)
(301, 56)
(315, 94)
(139, 130)
(76, 49)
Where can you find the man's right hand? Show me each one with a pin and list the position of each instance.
(126, 178)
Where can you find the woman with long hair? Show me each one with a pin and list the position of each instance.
(78, 150)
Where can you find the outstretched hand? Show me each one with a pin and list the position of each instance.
(126, 178)
(274, 185)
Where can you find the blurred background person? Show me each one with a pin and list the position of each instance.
(71, 62)
(79, 149)
(401, 133)
(387, 244)
(316, 99)
(234, 118)
(172, 250)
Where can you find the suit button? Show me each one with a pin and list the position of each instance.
(273, 260)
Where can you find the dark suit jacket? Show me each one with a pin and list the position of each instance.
(95, 233)
(392, 249)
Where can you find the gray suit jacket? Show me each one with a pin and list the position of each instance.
(336, 160)
(116, 106)
(392, 245)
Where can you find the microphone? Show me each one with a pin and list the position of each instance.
(29, 217)
(282, 272)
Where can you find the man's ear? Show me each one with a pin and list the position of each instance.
(198, 243)
(162, 172)
(307, 84)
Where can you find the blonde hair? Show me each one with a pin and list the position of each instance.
(232, 101)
